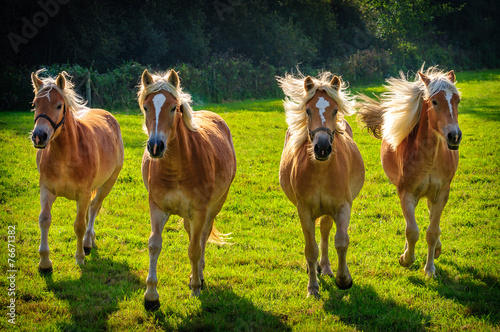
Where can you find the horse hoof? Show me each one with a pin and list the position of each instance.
(315, 295)
(403, 263)
(202, 284)
(87, 250)
(151, 305)
(46, 271)
(342, 287)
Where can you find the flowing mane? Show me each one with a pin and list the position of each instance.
(160, 82)
(401, 105)
(72, 99)
(297, 98)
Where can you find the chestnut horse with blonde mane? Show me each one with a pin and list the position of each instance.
(418, 124)
(80, 154)
(187, 168)
(321, 169)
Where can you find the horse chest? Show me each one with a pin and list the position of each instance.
(173, 200)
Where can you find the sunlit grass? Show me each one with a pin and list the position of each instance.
(259, 282)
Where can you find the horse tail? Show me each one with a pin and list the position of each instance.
(217, 237)
(370, 113)
(93, 194)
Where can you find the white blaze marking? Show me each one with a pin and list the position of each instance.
(449, 95)
(158, 101)
(322, 104)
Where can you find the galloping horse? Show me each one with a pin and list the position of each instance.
(321, 169)
(187, 167)
(80, 156)
(418, 124)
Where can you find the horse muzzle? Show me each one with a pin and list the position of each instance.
(453, 138)
(322, 146)
(40, 138)
(156, 147)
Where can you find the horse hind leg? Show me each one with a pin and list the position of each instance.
(326, 224)
(94, 208)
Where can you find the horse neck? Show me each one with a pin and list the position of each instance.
(65, 143)
(424, 139)
(178, 150)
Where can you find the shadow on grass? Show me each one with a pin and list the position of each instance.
(223, 310)
(92, 298)
(482, 109)
(478, 292)
(364, 309)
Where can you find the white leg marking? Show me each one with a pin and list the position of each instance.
(158, 101)
(322, 104)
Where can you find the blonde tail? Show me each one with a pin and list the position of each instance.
(218, 237)
(370, 113)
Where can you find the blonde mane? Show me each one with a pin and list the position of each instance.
(403, 101)
(73, 101)
(297, 98)
(160, 82)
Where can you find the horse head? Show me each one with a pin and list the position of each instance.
(160, 111)
(50, 109)
(321, 112)
(443, 109)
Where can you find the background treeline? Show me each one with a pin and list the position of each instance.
(232, 49)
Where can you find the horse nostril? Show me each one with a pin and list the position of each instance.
(450, 137)
(44, 137)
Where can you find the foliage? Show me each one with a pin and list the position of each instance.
(259, 282)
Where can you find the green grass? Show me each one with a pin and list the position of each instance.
(259, 282)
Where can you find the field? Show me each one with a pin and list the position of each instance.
(259, 282)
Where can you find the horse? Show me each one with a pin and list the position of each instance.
(321, 168)
(188, 166)
(79, 157)
(417, 122)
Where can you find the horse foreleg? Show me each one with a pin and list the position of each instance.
(433, 231)
(158, 220)
(326, 224)
(408, 203)
(311, 249)
(44, 221)
(82, 210)
(194, 251)
(343, 279)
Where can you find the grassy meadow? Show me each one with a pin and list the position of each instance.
(259, 282)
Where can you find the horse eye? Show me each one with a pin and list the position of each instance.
(434, 102)
(145, 108)
(335, 110)
(173, 109)
(59, 107)
(308, 111)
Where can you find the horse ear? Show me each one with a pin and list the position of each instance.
(173, 79)
(308, 83)
(37, 83)
(335, 83)
(60, 81)
(451, 76)
(424, 78)
(146, 79)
